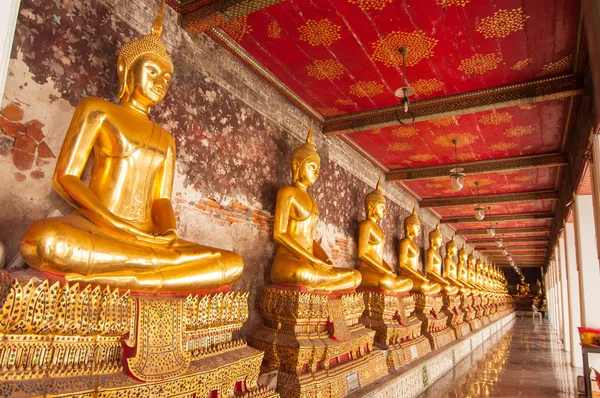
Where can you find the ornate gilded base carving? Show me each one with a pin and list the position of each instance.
(456, 318)
(59, 330)
(316, 341)
(435, 322)
(397, 329)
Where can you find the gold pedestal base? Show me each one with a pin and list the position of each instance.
(435, 322)
(397, 330)
(316, 342)
(462, 330)
(456, 318)
(475, 324)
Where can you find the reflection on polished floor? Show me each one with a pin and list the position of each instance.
(525, 361)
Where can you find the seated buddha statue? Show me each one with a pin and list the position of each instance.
(463, 272)
(450, 268)
(409, 257)
(123, 232)
(300, 261)
(434, 261)
(376, 272)
(471, 260)
(479, 273)
(523, 287)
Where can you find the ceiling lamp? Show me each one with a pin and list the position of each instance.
(479, 210)
(404, 92)
(457, 177)
(499, 242)
(490, 229)
(505, 251)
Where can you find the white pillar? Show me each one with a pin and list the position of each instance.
(573, 294)
(587, 261)
(8, 21)
(565, 295)
(557, 306)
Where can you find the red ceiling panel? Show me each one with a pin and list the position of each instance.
(503, 224)
(484, 235)
(537, 206)
(340, 56)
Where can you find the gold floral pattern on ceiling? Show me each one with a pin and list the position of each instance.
(346, 102)
(325, 69)
(502, 23)
(405, 132)
(320, 33)
(366, 89)
(527, 107)
(419, 47)
(495, 118)
(519, 131)
(522, 64)
(375, 131)
(399, 147)
(421, 157)
(503, 146)
(238, 28)
(462, 139)
(511, 186)
(328, 112)
(434, 185)
(370, 4)
(558, 67)
(274, 30)
(479, 64)
(428, 86)
(450, 3)
(444, 121)
(524, 178)
(528, 147)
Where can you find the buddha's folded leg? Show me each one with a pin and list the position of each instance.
(397, 284)
(338, 280)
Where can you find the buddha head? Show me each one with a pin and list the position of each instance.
(471, 260)
(375, 203)
(451, 247)
(145, 69)
(412, 225)
(463, 254)
(306, 162)
(436, 238)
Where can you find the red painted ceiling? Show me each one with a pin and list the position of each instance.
(503, 224)
(538, 206)
(340, 56)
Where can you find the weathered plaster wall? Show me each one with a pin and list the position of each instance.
(234, 135)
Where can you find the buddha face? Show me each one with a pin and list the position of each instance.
(452, 251)
(378, 211)
(148, 80)
(436, 242)
(308, 172)
(413, 230)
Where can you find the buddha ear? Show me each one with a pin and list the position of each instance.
(122, 71)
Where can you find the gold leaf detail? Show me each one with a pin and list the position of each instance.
(462, 139)
(366, 89)
(556, 68)
(325, 69)
(495, 118)
(376, 131)
(449, 3)
(503, 146)
(528, 147)
(502, 23)
(428, 86)
(519, 131)
(527, 107)
(521, 64)
(479, 64)
(405, 132)
(371, 4)
(347, 102)
(238, 28)
(419, 47)
(421, 157)
(320, 33)
(327, 112)
(444, 121)
(523, 178)
(399, 147)
(273, 30)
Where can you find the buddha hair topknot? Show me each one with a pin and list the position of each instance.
(373, 198)
(451, 244)
(436, 233)
(147, 44)
(413, 219)
(304, 152)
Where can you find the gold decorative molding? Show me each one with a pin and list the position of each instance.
(486, 166)
(487, 199)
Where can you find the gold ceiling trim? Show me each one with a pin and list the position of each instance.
(486, 166)
(495, 218)
(488, 199)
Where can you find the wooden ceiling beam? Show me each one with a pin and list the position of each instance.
(538, 90)
(489, 199)
(507, 231)
(487, 166)
(531, 239)
(496, 218)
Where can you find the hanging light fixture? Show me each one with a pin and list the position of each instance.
(404, 92)
(457, 177)
(505, 251)
(479, 210)
(499, 242)
(490, 229)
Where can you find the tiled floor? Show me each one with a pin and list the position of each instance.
(525, 362)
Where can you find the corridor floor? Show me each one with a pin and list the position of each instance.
(526, 361)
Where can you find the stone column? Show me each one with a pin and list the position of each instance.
(573, 293)
(587, 261)
(8, 21)
(564, 293)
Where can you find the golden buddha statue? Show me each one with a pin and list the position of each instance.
(463, 272)
(123, 230)
(523, 288)
(409, 257)
(376, 272)
(479, 273)
(434, 261)
(450, 268)
(300, 261)
(471, 260)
